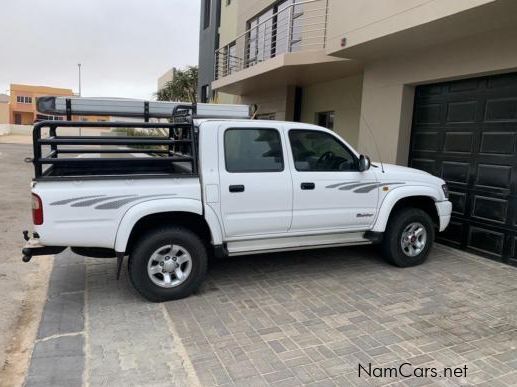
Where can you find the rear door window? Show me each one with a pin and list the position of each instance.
(253, 150)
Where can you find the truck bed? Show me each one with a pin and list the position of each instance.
(89, 214)
(115, 169)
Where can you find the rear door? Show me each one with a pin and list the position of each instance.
(329, 192)
(255, 181)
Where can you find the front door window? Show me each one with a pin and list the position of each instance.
(315, 151)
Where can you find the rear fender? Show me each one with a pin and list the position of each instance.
(137, 212)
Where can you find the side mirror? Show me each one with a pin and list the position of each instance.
(364, 163)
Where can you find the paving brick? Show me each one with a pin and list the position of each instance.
(278, 375)
(302, 318)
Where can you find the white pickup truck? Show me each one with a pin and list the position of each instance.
(222, 187)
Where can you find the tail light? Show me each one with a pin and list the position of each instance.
(37, 210)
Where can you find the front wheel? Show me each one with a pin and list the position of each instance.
(168, 264)
(408, 238)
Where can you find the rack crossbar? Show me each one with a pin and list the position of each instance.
(109, 141)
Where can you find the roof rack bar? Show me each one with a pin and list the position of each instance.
(68, 109)
(104, 150)
(111, 138)
(150, 160)
(146, 111)
(109, 141)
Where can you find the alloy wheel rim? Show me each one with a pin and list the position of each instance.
(413, 239)
(169, 266)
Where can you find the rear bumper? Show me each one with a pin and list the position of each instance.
(444, 213)
(33, 247)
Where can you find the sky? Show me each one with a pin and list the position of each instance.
(123, 45)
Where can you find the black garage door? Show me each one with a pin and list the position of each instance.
(465, 132)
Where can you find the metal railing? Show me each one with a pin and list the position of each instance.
(300, 26)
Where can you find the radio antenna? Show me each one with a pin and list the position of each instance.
(373, 138)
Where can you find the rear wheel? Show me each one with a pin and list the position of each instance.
(408, 238)
(168, 264)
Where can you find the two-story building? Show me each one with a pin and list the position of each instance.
(22, 104)
(426, 83)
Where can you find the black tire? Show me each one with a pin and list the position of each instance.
(148, 244)
(391, 244)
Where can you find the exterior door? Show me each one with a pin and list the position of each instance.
(465, 132)
(255, 181)
(329, 193)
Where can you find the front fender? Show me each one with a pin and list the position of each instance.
(391, 199)
(150, 207)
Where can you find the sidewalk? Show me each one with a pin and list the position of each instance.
(23, 286)
(15, 139)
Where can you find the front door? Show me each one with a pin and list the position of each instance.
(329, 192)
(256, 186)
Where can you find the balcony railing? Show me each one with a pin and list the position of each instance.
(298, 26)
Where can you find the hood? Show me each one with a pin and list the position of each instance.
(392, 168)
(396, 171)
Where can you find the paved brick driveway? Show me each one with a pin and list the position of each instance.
(283, 319)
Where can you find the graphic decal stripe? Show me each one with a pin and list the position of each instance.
(367, 188)
(87, 203)
(66, 201)
(113, 205)
(373, 186)
(340, 184)
(349, 187)
(360, 187)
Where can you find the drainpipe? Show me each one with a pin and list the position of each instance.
(326, 23)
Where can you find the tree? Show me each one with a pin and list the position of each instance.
(182, 87)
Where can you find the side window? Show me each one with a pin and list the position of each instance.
(253, 150)
(315, 151)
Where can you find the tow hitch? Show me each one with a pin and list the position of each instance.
(33, 247)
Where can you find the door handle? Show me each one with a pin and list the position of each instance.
(307, 186)
(236, 188)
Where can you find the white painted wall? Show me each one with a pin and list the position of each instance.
(388, 85)
(343, 96)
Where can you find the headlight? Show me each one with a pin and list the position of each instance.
(445, 191)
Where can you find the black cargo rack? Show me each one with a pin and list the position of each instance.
(173, 153)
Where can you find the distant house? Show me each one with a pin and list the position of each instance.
(22, 105)
(4, 109)
(166, 77)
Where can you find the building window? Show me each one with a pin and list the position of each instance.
(275, 31)
(266, 116)
(44, 117)
(22, 99)
(206, 13)
(205, 92)
(325, 119)
(231, 62)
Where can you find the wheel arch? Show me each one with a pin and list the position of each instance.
(424, 199)
(186, 213)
